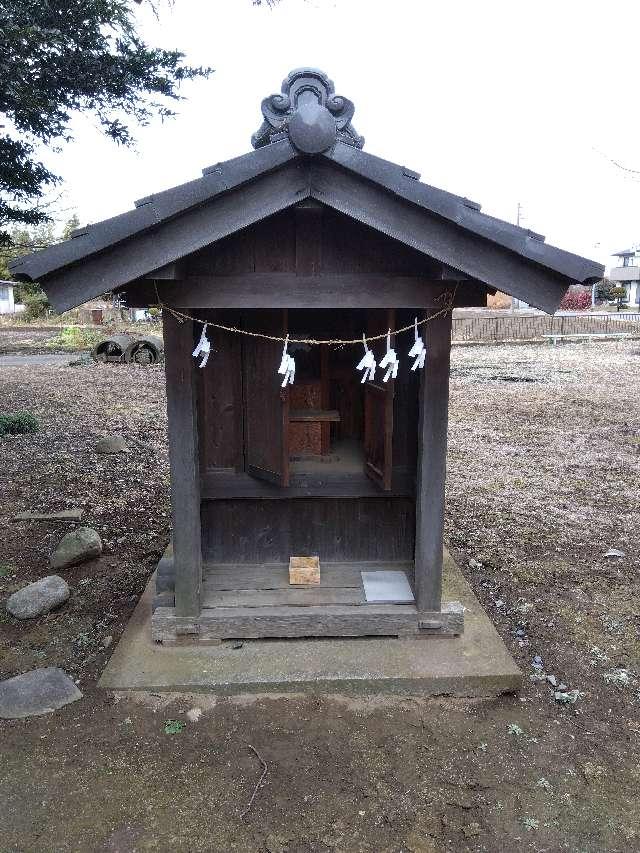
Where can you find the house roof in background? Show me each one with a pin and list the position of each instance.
(625, 253)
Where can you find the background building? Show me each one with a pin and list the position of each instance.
(7, 304)
(627, 273)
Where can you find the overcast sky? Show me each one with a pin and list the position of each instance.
(498, 100)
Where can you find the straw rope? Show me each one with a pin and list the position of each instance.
(448, 297)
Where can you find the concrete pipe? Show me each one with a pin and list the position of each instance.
(112, 349)
(144, 350)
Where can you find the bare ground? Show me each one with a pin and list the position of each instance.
(543, 480)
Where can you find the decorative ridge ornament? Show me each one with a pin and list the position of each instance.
(309, 112)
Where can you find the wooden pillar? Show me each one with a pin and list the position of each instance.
(184, 463)
(432, 463)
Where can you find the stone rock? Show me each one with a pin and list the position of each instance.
(40, 691)
(111, 444)
(76, 547)
(38, 598)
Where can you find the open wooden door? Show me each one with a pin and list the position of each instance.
(266, 404)
(378, 407)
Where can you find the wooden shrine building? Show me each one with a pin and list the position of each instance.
(307, 236)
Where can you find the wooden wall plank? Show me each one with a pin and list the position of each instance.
(235, 576)
(184, 463)
(219, 388)
(268, 531)
(225, 484)
(266, 403)
(321, 621)
(287, 290)
(308, 238)
(294, 596)
(432, 456)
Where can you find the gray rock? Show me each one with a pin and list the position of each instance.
(111, 444)
(76, 547)
(38, 598)
(552, 680)
(40, 691)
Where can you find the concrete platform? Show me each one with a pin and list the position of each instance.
(475, 664)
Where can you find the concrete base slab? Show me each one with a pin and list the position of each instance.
(474, 664)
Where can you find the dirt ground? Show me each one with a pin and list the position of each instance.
(543, 480)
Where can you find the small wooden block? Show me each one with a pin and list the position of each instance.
(304, 571)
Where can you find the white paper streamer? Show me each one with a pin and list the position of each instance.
(390, 361)
(203, 348)
(287, 366)
(367, 363)
(418, 350)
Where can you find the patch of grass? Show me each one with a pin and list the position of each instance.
(5, 571)
(18, 423)
(74, 338)
(173, 727)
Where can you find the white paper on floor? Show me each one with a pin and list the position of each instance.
(387, 587)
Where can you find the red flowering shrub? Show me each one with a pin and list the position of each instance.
(576, 300)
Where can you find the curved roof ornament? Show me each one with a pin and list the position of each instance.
(309, 112)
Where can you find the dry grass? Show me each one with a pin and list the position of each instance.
(543, 478)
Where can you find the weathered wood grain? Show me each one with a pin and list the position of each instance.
(238, 576)
(432, 462)
(288, 290)
(395, 620)
(255, 530)
(296, 596)
(314, 621)
(228, 484)
(184, 464)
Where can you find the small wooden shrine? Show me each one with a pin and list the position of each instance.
(290, 255)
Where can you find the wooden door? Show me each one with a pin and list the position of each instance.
(378, 407)
(266, 404)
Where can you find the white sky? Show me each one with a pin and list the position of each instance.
(499, 100)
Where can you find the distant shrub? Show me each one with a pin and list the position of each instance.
(74, 338)
(603, 289)
(36, 306)
(620, 295)
(575, 300)
(18, 423)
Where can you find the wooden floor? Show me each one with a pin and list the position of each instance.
(256, 601)
(267, 585)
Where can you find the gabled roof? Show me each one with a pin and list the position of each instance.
(305, 151)
(152, 211)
